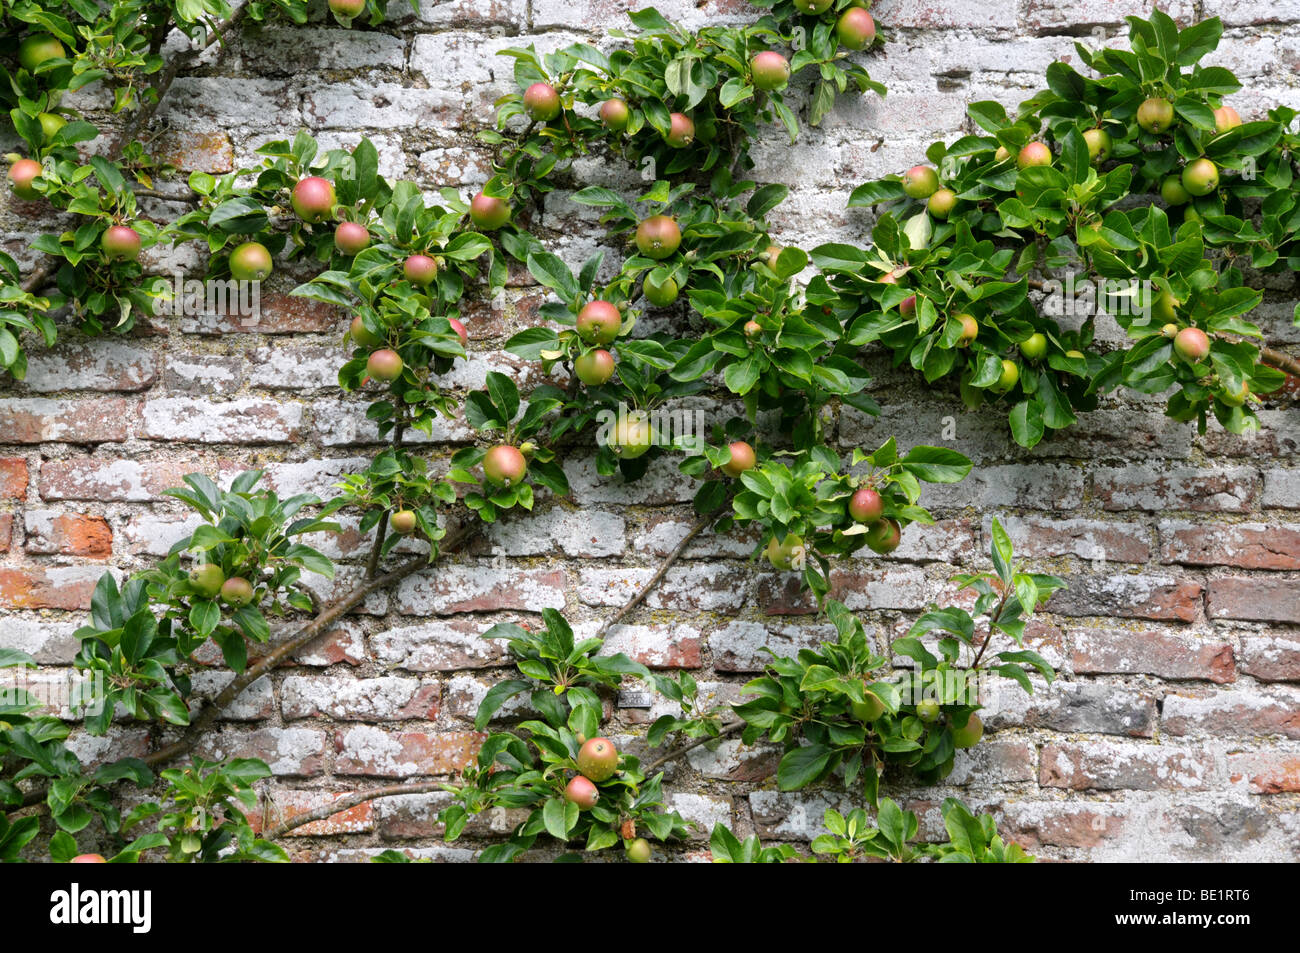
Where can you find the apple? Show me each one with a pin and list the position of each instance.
(1225, 118)
(855, 28)
(907, 307)
(1099, 144)
(771, 70)
(582, 793)
(1002, 155)
(250, 262)
(347, 9)
(785, 554)
(742, 458)
(638, 852)
(927, 709)
(1165, 307)
(420, 270)
(1034, 154)
(1034, 347)
(461, 333)
(361, 335)
(770, 255)
(37, 49)
(88, 859)
(207, 579)
(884, 536)
(51, 123)
(21, 174)
(313, 199)
(385, 365)
(969, 734)
(920, 182)
(594, 367)
(869, 709)
(1010, 375)
(403, 522)
(599, 322)
(1170, 330)
(942, 202)
(1192, 345)
(237, 591)
(1172, 191)
(658, 237)
(1238, 398)
(632, 436)
(813, 6)
(541, 102)
(615, 114)
(1200, 177)
(681, 131)
(659, 295)
(753, 329)
(970, 329)
(598, 759)
(488, 213)
(1156, 115)
(504, 465)
(866, 505)
(120, 243)
(351, 238)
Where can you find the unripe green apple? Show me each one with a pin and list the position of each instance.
(920, 182)
(51, 123)
(1172, 191)
(658, 237)
(21, 175)
(1225, 118)
(969, 734)
(504, 465)
(541, 102)
(770, 70)
(1200, 177)
(313, 199)
(884, 537)
(1170, 330)
(37, 48)
(1034, 154)
(1156, 115)
(237, 591)
(385, 365)
(598, 759)
(1099, 144)
(1237, 398)
(599, 322)
(348, 9)
(595, 367)
(970, 329)
(207, 579)
(753, 329)
(927, 709)
(488, 213)
(1002, 155)
(638, 851)
(783, 554)
(681, 131)
(1192, 345)
(866, 505)
(867, 710)
(661, 295)
(942, 203)
(1165, 307)
(632, 436)
(742, 458)
(403, 522)
(1010, 375)
(250, 262)
(813, 6)
(1034, 347)
(361, 336)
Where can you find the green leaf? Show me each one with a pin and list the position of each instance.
(801, 766)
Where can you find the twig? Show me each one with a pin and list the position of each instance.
(347, 803)
(676, 753)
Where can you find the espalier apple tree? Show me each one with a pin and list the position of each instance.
(765, 329)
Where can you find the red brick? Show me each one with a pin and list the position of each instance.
(68, 534)
(1255, 600)
(62, 587)
(1115, 767)
(6, 531)
(288, 805)
(1271, 659)
(372, 752)
(113, 480)
(1129, 596)
(13, 478)
(1266, 772)
(288, 752)
(43, 420)
(1245, 546)
(1240, 714)
(1141, 487)
(190, 151)
(676, 646)
(1092, 540)
(1036, 824)
(280, 314)
(1143, 652)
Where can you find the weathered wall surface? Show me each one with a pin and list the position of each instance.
(1174, 730)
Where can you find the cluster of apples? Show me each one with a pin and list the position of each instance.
(209, 580)
(597, 762)
(855, 29)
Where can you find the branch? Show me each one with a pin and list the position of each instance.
(347, 803)
(676, 753)
(1283, 362)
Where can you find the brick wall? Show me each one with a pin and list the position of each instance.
(1174, 730)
